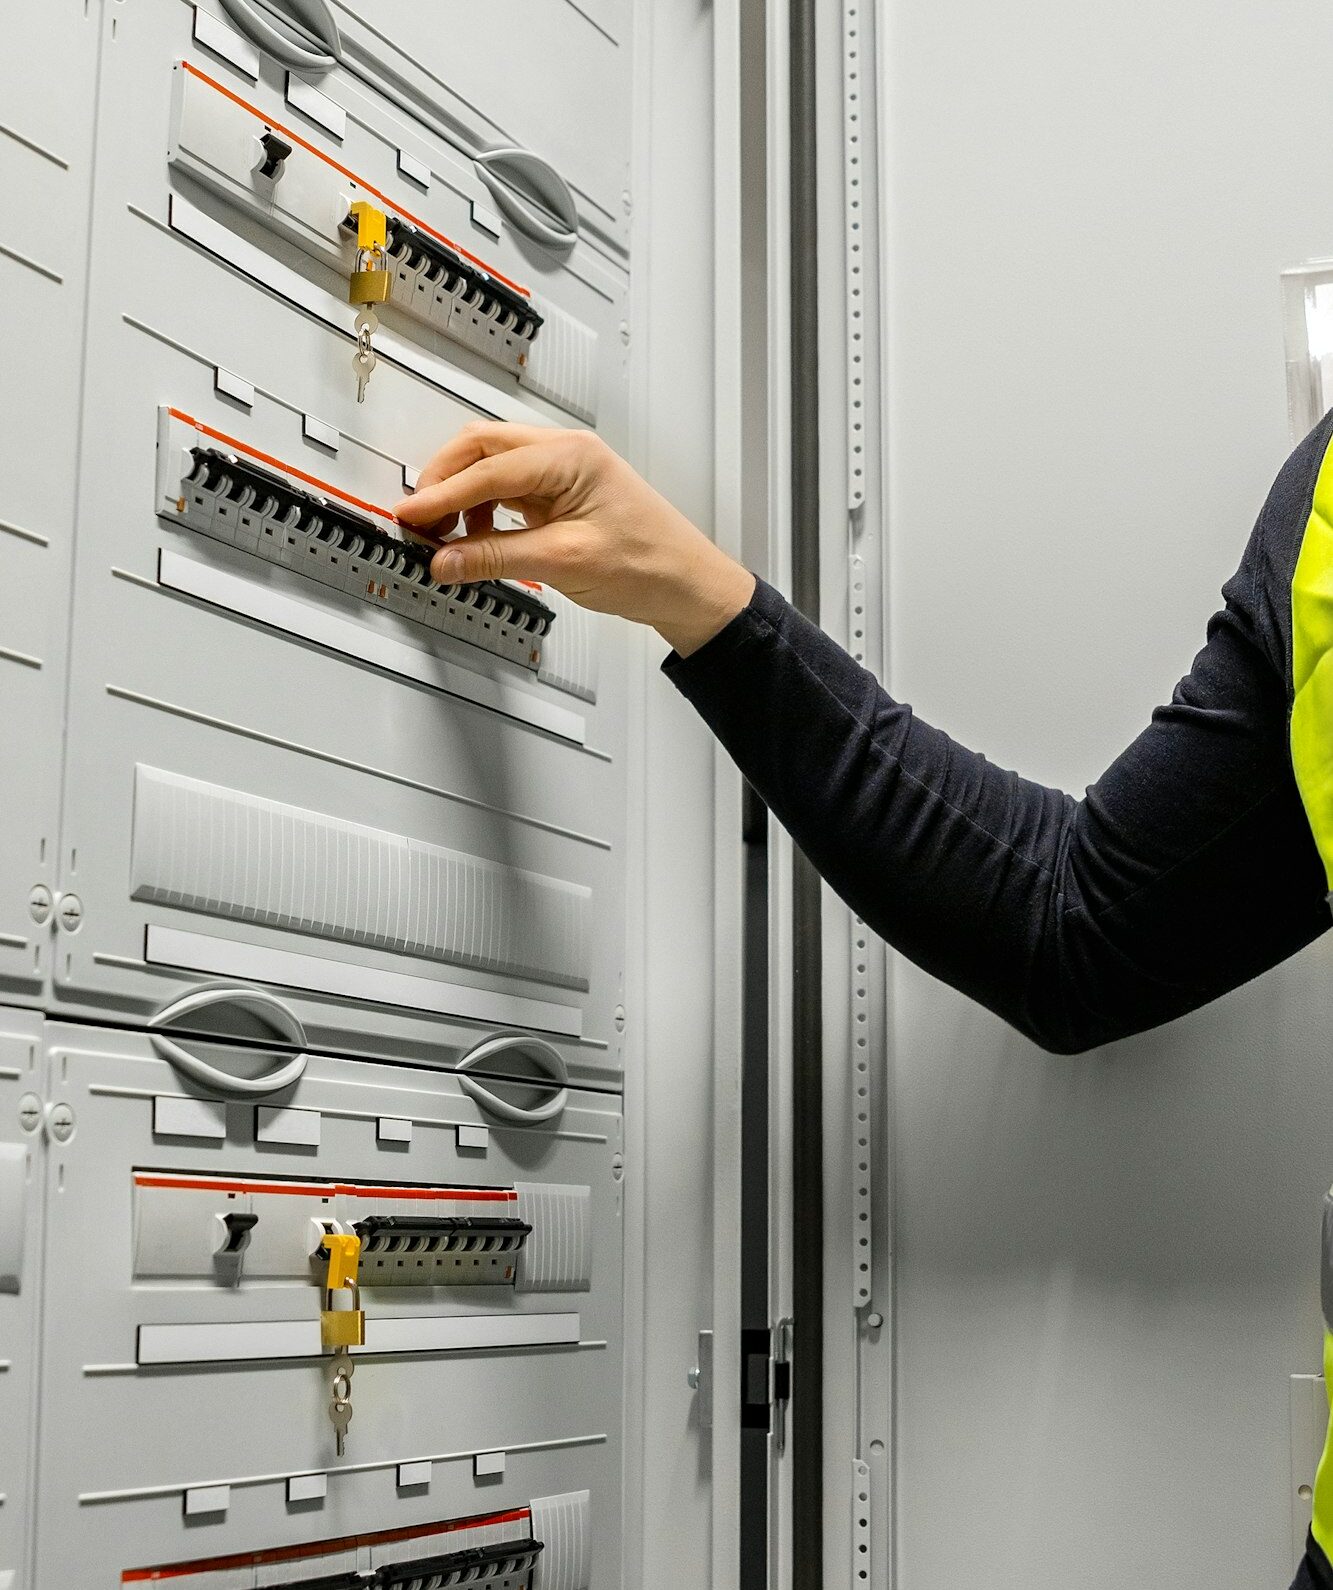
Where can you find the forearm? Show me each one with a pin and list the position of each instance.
(1077, 922)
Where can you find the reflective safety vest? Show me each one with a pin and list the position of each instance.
(1312, 759)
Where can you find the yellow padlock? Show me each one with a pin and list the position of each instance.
(342, 1327)
(372, 281)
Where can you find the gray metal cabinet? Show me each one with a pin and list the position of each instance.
(46, 142)
(22, 1194)
(407, 832)
(202, 1336)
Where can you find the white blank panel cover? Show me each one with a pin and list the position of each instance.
(562, 363)
(561, 1524)
(203, 847)
(557, 1257)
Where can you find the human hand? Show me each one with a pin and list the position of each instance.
(597, 532)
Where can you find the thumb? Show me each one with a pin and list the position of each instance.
(500, 555)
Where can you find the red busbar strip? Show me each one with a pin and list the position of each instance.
(319, 1548)
(277, 463)
(352, 177)
(328, 1189)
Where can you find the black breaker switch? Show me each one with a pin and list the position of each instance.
(439, 265)
(507, 1563)
(239, 1227)
(234, 499)
(276, 151)
(448, 1250)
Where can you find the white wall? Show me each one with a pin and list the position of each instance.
(1107, 1266)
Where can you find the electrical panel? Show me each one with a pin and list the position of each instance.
(315, 893)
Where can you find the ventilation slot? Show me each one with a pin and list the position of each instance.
(203, 847)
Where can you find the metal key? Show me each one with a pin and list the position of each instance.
(363, 360)
(371, 283)
(340, 1406)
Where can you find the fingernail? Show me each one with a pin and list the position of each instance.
(399, 507)
(448, 566)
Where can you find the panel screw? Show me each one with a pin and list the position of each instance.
(624, 332)
(694, 1376)
(60, 1123)
(874, 1321)
(40, 902)
(617, 1167)
(69, 912)
(626, 198)
(30, 1112)
(620, 1018)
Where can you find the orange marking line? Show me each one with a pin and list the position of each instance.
(320, 1548)
(277, 463)
(351, 176)
(330, 1189)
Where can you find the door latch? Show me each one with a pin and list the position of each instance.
(701, 1379)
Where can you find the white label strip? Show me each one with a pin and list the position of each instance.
(485, 220)
(207, 1499)
(182, 1117)
(320, 431)
(322, 110)
(413, 169)
(344, 635)
(233, 386)
(292, 1128)
(216, 36)
(201, 952)
(247, 1341)
(270, 273)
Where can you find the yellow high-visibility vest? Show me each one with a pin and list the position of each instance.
(1312, 759)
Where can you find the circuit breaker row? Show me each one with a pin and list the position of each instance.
(500, 1551)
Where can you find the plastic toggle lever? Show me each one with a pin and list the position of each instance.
(276, 151)
(239, 1228)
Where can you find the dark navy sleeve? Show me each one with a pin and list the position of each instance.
(1187, 869)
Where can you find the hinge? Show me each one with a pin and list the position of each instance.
(766, 1379)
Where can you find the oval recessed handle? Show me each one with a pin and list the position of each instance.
(547, 1056)
(531, 195)
(284, 1022)
(313, 45)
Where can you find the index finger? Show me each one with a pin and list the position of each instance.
(478, 440)
(522, 472)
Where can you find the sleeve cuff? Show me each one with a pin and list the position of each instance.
(756, 621)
